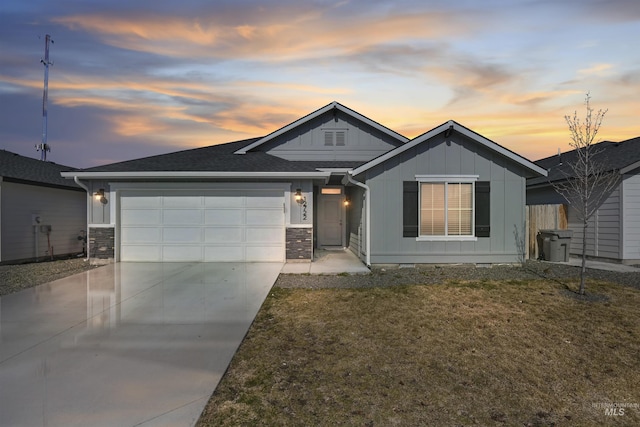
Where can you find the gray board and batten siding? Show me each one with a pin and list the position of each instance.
(455, 156)
(332, 136)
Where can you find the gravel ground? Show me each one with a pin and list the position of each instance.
(14, 278)
(429, 274)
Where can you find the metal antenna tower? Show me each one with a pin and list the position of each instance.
(44, 147)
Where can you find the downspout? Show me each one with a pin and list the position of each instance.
(367, 213)
(77, 181)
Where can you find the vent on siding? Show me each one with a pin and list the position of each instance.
(328, 138)
(337, 138)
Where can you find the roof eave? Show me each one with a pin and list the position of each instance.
(629, 168)
(461, 129)
(500, 149)
(194, 175)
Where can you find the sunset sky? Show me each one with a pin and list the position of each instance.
(133, 79)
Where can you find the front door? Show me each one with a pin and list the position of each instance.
(330, 220)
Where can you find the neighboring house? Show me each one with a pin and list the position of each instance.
(333, 178)
(41, 213)
(613, 232)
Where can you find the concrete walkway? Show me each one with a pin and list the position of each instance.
(600, 265)
(128, 344)
(335, 261)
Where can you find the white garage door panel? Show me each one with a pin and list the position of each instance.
(142, 235)
(263, 235)
(202, 225)
(141, 217)
(223, 253)
(223, 216)
(223, 234)
(223, 202)
(139, 201)
(182, 216)
(181, 253)
(182, 202)
(264, 217)
(182, 235)
(264, 202)
(140, 253)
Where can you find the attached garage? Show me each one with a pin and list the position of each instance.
(212, 223)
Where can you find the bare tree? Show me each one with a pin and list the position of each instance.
(587, 180)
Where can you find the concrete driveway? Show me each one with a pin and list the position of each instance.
(129, 344)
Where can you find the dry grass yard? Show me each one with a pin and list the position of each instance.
(512, 353)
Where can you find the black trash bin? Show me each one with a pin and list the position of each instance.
(555, 244)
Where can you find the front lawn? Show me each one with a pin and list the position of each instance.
(460, 353)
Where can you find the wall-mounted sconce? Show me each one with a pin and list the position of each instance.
(302, 201)
(346, 202)
(99, 195)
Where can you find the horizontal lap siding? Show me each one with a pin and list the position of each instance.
(603, 231)
(64, 210)
(631, 217)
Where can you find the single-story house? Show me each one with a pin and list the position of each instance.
(333, 178)
(613, 232)
(41, 213)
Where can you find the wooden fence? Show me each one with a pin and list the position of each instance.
(541, 217)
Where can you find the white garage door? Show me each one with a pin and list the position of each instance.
(197, 225)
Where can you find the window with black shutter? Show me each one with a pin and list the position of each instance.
(483, 209)
(410, 209)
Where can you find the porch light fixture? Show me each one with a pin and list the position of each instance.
(346, 202)
(99, 195)
(302, 201)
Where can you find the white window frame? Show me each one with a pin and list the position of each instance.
(448, 179)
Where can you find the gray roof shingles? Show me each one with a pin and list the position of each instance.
(17, 168)
(218, 158)
(613, 155)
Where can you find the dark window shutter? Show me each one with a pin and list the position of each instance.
(483, 211)
(410, 209)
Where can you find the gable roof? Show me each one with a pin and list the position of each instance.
(212, 161)
(317, 113)
(621, 156)
(452, 125)
(25, 170)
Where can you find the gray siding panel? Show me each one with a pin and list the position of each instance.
(65, 211)
(99, 213)
(436, 157)
(307, 142)
(603, 231)
(356, 222)
(631, 217)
